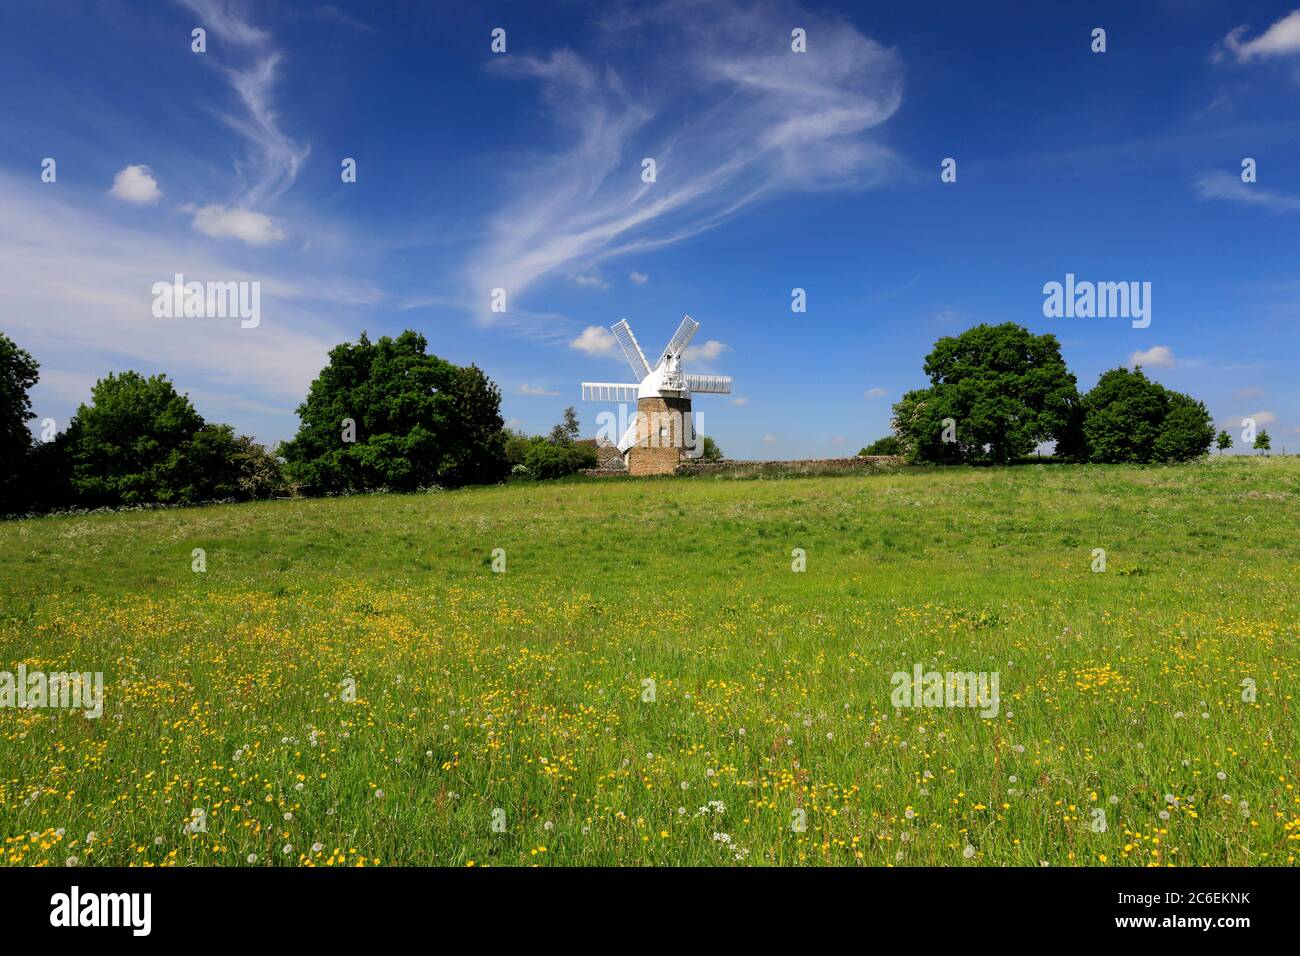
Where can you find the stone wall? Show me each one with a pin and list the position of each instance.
(804, 466)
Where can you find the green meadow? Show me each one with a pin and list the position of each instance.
(650, 681)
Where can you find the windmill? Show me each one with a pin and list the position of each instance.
(663, 428)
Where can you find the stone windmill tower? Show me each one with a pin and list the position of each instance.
(663, 429)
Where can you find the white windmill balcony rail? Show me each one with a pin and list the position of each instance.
(609, 392)
(717, 384)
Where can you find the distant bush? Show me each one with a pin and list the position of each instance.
(889, 445)
(545, 459)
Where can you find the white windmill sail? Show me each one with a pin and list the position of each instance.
(629, 438)
(681, 338)
(709, 384)
(609, 392)
(635, 357)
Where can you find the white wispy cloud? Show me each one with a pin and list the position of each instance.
(274, 158)
(740, 400)
(136, 184)
(590, 281)
(1248, 392)
(731, 117)
(595, 340)
(1280, 39)
(875, 393)
(1158, 356)
(536, 391)
(1221, 185)
(640, 278)
(769, 439)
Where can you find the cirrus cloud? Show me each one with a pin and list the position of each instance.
(733, 119)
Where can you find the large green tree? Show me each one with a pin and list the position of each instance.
(388, 414)
(18, 373)
(1129, 418)
(140, 441)
(128, 445)
(996, 392)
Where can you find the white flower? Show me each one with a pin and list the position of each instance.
(252, 858)
(288, 816)
(317, 847)
(288, 848)
(968, 852)
(379, 794)
(71, 861)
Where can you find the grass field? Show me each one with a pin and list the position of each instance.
(524, 692)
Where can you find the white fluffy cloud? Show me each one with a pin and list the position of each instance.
(222, 222)
(595, 340)
(136, 184)
(1158, 356)
(1280, 39)
(536, 390)
(592, 281)
(640, 278)
(769, 439)
(705, 351)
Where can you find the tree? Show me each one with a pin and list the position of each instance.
(568, 430)
(18, 373)
(996, 392)
(889, 445)
(711, 451)
(140, 441)
(1262, 441)
(545, 459)
(1129, 418)
(1187, 430)
(221, 465)
(387, 414)
(129, 445)
(1224, 441)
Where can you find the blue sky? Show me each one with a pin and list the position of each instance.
(775, 170)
